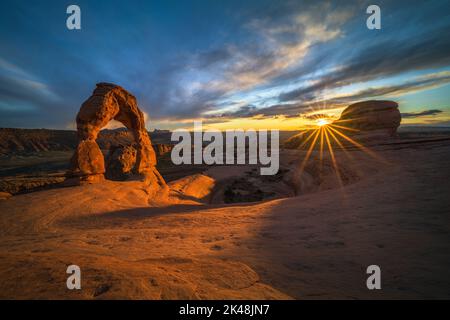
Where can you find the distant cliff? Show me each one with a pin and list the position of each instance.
(24, 141)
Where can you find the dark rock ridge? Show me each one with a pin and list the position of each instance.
(22, 141)
(27, 141)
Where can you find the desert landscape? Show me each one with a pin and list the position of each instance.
(225, 232)
(221, 150)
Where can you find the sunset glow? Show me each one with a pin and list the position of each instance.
(322, 122)
(321, 138)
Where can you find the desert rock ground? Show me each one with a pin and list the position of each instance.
(393, 212)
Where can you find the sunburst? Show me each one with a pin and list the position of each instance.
(322, 122)
(324, 136)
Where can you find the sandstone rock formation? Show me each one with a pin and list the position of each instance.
(5, 195)
(109, 102)
(367, 121)
(120, 162)
(372, 115)
(162, 148)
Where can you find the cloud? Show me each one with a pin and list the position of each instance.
(431, 112)
(286, 110)
(316, 116)
(295, 47)
(282, 46)
(24, 98)
(280, 59)
(16, 84)
(298, 109)
(274, 46)
(425, 82)
(385, 58)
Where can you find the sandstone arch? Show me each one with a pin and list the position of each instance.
(108, 102)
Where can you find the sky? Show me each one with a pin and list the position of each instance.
(232, 64)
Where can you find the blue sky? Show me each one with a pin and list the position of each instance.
(226, 62)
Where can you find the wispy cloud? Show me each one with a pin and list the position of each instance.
(431, 112)
(383, 59)
(273, 48)
(425, 82)
(21, 91)
(296, 109)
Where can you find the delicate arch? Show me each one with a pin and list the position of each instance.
(108, 102)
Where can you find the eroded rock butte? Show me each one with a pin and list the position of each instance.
(381, 115)
(112, 102)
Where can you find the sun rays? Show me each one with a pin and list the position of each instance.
(325, 139)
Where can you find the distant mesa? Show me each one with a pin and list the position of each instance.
(112, 102)
(367, 120)
(22, 141)
(15, 141)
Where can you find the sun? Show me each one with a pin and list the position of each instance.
(322, 122)
(331, 135)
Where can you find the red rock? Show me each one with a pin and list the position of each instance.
(121, 161)
(109, 102)
(372, 120)
(5, 195)
(371, 115)
(162, 148)
(88, 158)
